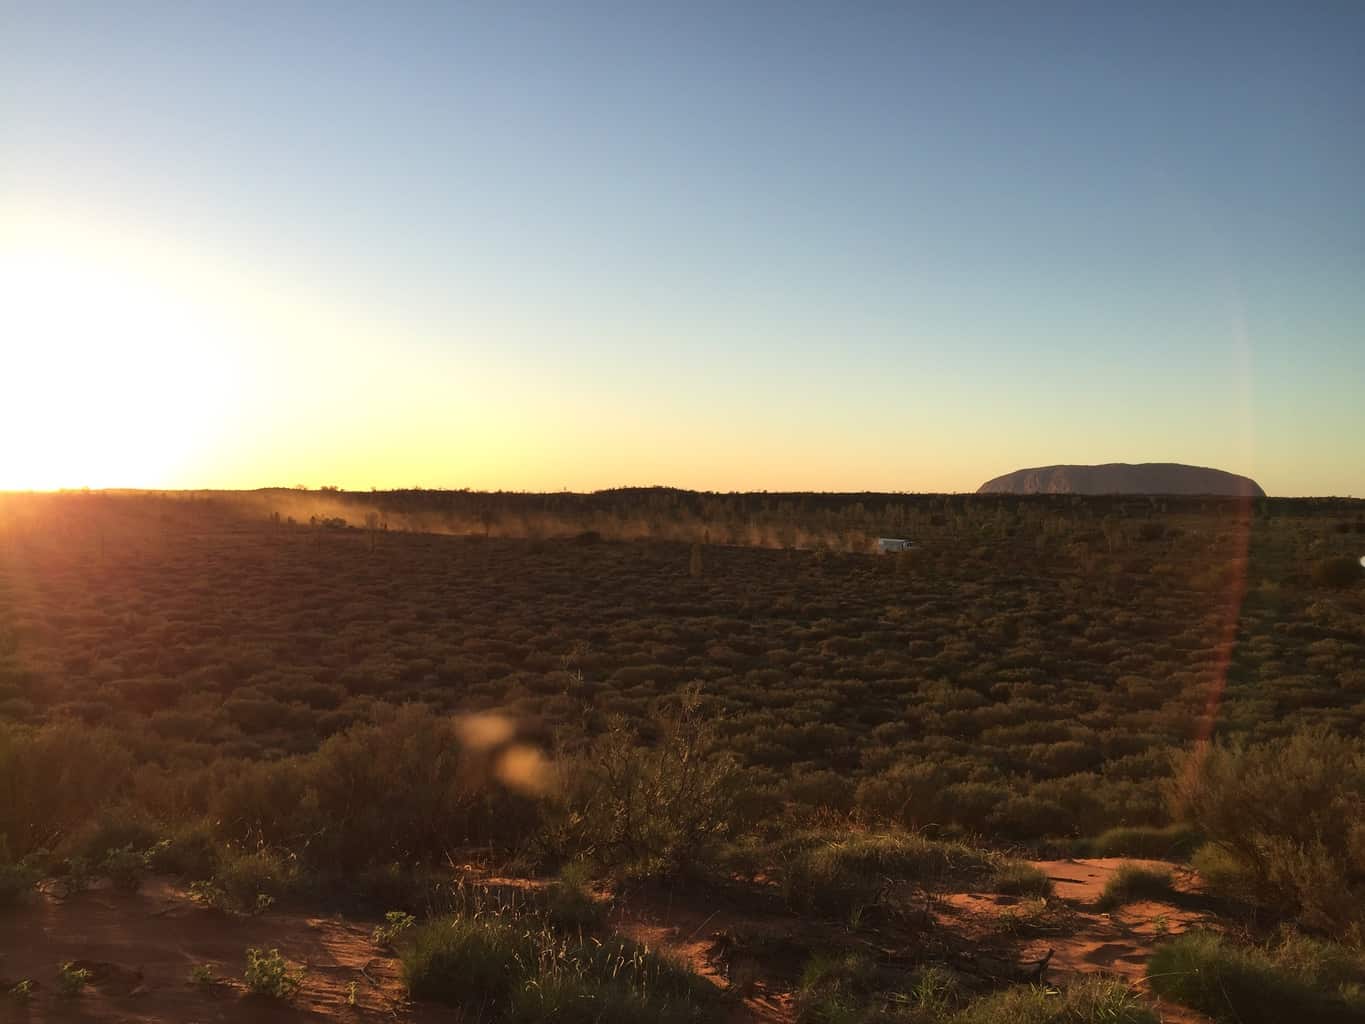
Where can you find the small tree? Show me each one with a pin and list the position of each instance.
(656, 809)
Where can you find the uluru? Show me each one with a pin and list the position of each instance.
(1124, 478)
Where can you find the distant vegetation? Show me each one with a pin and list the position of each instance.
(1026, 672)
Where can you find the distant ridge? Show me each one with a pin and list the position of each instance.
(1124, 478)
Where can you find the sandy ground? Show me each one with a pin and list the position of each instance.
(1121, 941)
(1082, 938)
(140, 948)
(688, 932)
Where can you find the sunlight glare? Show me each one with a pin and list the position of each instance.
(113, 376)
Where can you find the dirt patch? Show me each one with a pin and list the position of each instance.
(139, 950)
(1120, 941)
(1083, 881)
(110, 979)
(1080, 937)
(730, 949)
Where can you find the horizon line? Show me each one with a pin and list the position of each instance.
(330, 489)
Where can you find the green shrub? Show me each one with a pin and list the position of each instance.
(570, 902)
(248, 882)
(71, 979)
(909, 795)
(847, 989)
(190, 851)
(1033, 916)
(847, 877)
(373, 890)
(1134, 882)
(517, 966)
(650, 811)
(1324, 965)
(1171, 841)
(213, 895)
(268, 974)
(263, 804)
(833, 988)
(111, 832)
(77, 876)
(821, 791)
(406, 789)
(1252, 985)
(1028, 816)
(935, 992)
(1223, 873)
(464, 961)
(55, 779)
(1288, 815)
(16, 883)
(570, 997)
(1087, 1001)
(125, 868)
(396, 923)
(1017, 878)
(409, 790)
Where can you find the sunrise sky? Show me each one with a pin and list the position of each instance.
(725, 246)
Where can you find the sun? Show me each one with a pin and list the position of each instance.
(111, 371)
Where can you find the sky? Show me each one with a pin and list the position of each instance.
(537, 246)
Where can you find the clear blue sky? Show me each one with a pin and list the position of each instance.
(830, 246)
